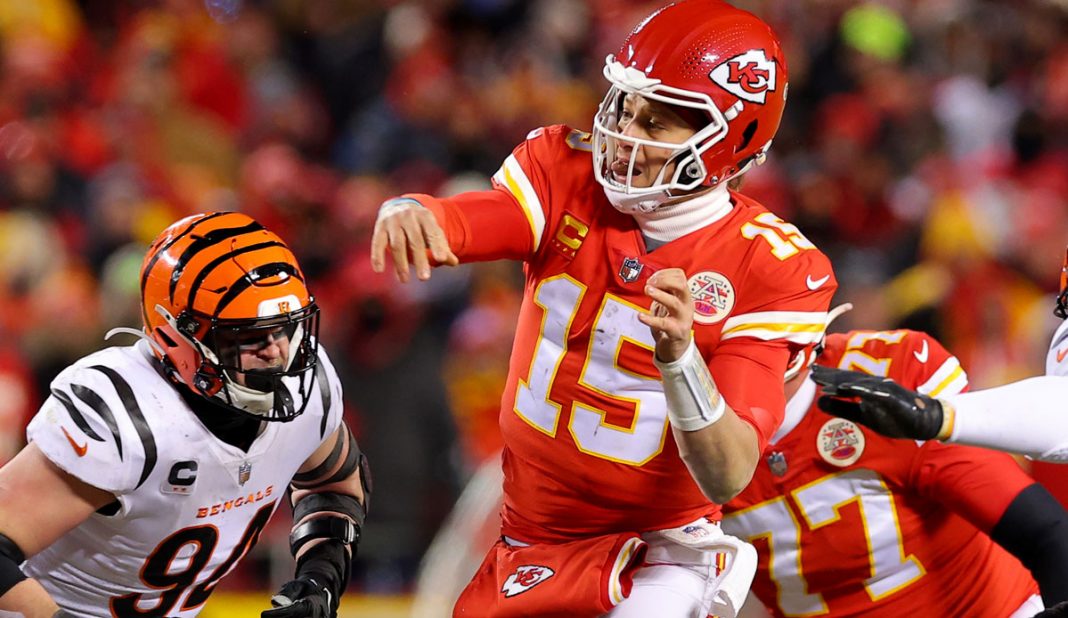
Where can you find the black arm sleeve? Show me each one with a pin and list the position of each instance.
(327, 563)
(1035, 529)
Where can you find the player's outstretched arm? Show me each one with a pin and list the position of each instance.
(38, 503)
(1023, 417)
(719, 448)
(330, 495)
(881, 404)
(405, 232)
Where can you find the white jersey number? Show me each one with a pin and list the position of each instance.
(819, 504)
(615, 325)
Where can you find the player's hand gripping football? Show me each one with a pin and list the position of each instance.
(302, 598)
(670, 317)
(408, 233)
(879, 403)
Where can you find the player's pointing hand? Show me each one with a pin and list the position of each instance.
(410, 232)
(670, 316)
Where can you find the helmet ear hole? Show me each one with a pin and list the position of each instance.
(747, 136)
(167, 340)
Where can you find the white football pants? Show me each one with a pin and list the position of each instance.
(679, 578)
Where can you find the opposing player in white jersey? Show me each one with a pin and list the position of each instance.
(1026, 417)
(152, 469)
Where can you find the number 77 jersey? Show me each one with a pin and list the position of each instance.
(588, 448)
(849, 523)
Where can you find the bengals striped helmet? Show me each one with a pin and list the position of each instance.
(230, 316)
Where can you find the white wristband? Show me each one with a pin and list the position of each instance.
(693, 401)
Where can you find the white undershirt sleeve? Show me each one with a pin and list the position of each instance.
(1028, 417)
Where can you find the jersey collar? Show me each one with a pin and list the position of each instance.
(672, 221)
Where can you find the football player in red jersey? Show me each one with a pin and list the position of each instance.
(850, 523)
(660, 312)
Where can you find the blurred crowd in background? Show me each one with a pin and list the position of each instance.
(924, 149)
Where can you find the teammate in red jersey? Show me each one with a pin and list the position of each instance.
(660, 313)
(851, 523)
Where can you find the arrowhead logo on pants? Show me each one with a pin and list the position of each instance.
(525, 578)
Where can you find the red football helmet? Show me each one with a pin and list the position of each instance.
(708, 56)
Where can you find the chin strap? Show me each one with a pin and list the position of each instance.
(636, 203)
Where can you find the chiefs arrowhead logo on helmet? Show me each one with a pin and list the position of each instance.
(748, 76)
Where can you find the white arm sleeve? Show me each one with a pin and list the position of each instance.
(1028, 417)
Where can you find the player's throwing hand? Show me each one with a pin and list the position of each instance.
(410, 232)
(670, 317)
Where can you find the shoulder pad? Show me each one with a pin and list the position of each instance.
(911, 358)
(93, 426)
(783, 275)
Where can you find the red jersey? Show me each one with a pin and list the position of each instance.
(850, 523)
(588, 449)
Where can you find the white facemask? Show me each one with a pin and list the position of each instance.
(622, 194)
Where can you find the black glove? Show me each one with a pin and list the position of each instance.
(302, 598)
(1059, 610)
(878, 403)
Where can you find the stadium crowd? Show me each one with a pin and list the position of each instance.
(924, 149)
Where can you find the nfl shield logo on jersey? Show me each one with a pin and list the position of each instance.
(525, 578)
(777, 463)
(630, 270)
(244, 471)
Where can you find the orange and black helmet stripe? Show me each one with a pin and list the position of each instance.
(210, 266)
(267, 271)
(157, 252)
(226, 254)
(202, 243)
